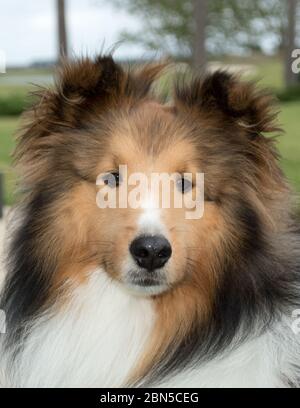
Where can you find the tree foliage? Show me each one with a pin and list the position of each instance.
(233, 25)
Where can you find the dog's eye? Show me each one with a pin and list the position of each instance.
(112, 179)
(184, 185)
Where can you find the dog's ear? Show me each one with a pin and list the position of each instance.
(226, 95)
(87, 87)
(80, 86)
(84, 89)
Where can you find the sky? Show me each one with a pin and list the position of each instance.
(28, 29)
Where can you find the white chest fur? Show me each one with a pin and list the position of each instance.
(94, 342)
(101, 333)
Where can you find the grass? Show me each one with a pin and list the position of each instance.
(9, 84)
(269, 73)
(8, 90)
(289, 143)
(15, 86)
(8, 127)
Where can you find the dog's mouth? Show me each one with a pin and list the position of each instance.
(145, 283)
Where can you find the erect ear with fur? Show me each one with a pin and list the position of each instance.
(79, 86)
(221, 93)
(85, 87)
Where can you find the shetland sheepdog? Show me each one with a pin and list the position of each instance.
(126, 297)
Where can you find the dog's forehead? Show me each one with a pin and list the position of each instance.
(152, 134)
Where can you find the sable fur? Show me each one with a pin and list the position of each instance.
(249, 278)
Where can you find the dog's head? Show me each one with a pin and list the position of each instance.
(102, 125)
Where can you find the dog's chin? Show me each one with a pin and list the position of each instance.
(144, 285)
(140, 290)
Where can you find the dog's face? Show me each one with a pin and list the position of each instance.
(106, 121)
(152, 246)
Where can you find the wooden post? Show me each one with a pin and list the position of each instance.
(290, 77)
(200, 15)
(61, 27)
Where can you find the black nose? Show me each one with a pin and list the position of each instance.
(151, 252)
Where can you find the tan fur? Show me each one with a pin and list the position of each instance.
(99, 117)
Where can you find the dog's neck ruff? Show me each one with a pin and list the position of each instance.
(94, 340)
(100, 335)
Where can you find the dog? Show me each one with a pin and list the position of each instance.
(145, 297)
